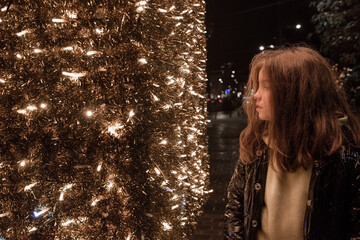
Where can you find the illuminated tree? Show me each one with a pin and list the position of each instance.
(102, 119)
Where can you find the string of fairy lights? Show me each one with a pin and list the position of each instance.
(103, 118)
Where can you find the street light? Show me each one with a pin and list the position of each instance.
(261, 48)
(298, 26)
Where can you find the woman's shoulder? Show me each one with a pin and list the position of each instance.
(349, 152)
(349, 144)
(349, 155)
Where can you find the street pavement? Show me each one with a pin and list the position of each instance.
(223, 132)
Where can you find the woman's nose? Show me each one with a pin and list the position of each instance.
(256, 96)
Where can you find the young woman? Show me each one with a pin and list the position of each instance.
(298, 175)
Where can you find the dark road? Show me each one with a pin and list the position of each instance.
(223, 135)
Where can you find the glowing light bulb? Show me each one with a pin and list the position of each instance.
(68, 186)
(2, 80)
(95, 202)
(23, 163)
(18, 56)
(140, 9)
(157, 171)
(131, 114)
(67, 223)
(28, 187)
(185, 70)
(142, 61)
(31, 107)
(112, 129)
(163, 142)
(37, 214)
(166, 226)
(58, 20)
(38, 50)
(21, 111)
(98, 168)
(67, 48)
(141, 3)
(4, 214)
(43, 105)
(261, 48)
(129, 236)
(74, 75)
(99, 31)
(155, 97)
(89, 53)
(71, 14)
(61, 198)
(22, 33)
(110, 185)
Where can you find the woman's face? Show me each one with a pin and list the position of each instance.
(262, 96)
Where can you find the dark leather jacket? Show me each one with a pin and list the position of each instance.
(333, 205)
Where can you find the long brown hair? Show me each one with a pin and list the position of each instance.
(307, 102)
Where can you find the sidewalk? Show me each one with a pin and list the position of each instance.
(223, 149)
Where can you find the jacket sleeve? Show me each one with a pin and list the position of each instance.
(234, 211)
(355, 196)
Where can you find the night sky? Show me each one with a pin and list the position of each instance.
(236, 28)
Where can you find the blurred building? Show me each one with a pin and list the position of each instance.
(226, 87)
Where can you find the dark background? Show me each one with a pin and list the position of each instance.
(236, 28)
